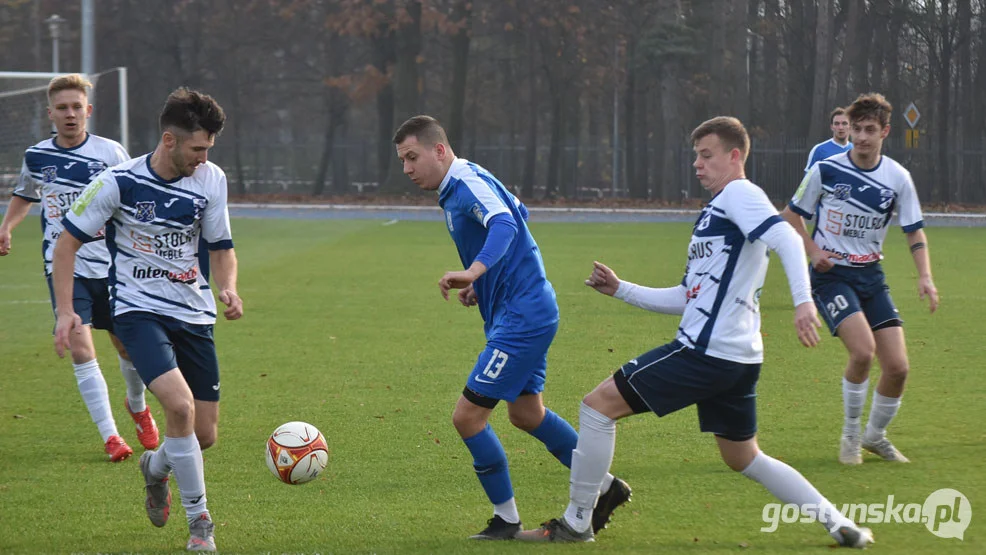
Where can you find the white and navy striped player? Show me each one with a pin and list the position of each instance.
(155, 208)
(839, 143)
(54, 173)
(852, 198)
(714, 362)
(504, 275)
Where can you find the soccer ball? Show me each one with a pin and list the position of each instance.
(297, 453)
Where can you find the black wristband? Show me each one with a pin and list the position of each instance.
(917, 246)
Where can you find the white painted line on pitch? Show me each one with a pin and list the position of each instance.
(25, 302)
(390, 222)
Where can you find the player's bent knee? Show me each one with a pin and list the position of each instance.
(207, 438)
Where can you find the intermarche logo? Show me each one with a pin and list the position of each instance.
(945, 513)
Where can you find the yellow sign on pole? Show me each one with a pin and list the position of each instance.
(912, 115)
(911, 137)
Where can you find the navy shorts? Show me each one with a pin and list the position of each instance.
(157, 344)
(511, 365)
(843, 291)
(673, 376)
(90, 300)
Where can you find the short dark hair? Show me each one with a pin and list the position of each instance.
(190, 111)
(426, 128)
(729, 130)
(870, 106)
(839, 111)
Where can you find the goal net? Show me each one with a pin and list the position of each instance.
(24, 113)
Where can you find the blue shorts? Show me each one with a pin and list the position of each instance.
(157, 344)
(90, 300)
(512, 365)
(844, 291)
(673, 376)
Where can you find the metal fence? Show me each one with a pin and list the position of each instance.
(585, 172)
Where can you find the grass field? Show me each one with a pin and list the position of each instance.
(345, 328)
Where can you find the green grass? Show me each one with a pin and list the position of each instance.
(345, 328)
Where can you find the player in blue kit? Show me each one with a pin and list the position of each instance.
(156, 207)
(504, 276)
(714, 361)
(54, 173)
(852, 197)
(839, 143)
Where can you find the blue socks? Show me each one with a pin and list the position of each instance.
(558, 436)
(490, 461)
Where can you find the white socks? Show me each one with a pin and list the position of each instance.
(789, 486)
(92, 386)
(591, 460)
(882, 411)
(507, 511)
(853, 399)
(184, 457)
(135, 386)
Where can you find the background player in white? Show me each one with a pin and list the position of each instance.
(54, 173)
(155, 208)
(853, 197)
(839, 143)
(715, 360)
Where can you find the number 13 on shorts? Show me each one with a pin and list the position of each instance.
(496, 364)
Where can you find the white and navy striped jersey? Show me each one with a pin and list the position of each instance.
(725, 273)
(852, 207)
(152, 231)
(55, 177)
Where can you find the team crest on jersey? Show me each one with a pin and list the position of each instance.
(842, 191)
(144, 211)
(705, 222)
(95, 167)
(477, 211)
(448, 218)
(200, 204)
(886, 198)
(49, 174)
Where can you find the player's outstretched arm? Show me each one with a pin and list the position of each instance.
(63, 281)
(224, 268)
(668, 300)
(17, 210)
(919, 250)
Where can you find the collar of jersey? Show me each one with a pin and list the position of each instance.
(855, 167)
(150, 170)
(54, 143)
(448, 175)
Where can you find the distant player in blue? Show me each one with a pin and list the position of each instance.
(504, 275)
(839, 143)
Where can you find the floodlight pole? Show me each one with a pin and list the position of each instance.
(55, 28)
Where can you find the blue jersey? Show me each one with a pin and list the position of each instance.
(514, 295)
(824, 150)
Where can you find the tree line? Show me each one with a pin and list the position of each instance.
(555, 86)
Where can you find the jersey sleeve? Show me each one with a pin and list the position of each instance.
(805, 199)
(909, 209)
(479, 200)
(748, 207)
(94, 207)
(120, 155)
(28, 188)
(813, 157)
(215, 218)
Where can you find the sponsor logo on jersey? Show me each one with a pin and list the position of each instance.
(448, 218)
(49, 174)
(477, 212)
(57, 204)
(188, 276)
(199, 204)
(804, 185)
(700, 249)
(144, 211)
(692, 293)
(886, 198)
(705, 222)
(81, 203)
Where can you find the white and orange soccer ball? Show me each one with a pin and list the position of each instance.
(297, 453)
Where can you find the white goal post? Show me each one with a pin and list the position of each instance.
(24, 113)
